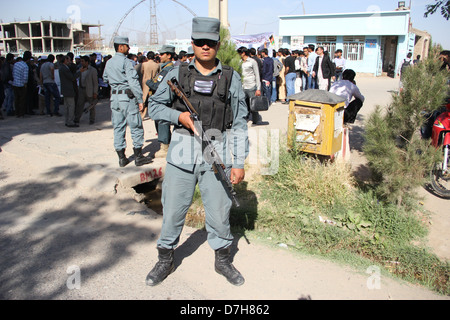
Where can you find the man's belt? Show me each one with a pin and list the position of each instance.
(128, 92)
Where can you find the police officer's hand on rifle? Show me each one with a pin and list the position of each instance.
(237, 175)
(186, 120)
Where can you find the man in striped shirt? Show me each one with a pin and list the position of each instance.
(20, 76)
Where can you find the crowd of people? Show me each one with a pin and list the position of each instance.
(31, 85)
(39, 85)
(289, 72)
(299, 70)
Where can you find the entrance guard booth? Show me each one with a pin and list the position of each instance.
(316, 120)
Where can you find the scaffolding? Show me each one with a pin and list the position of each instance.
(153, 25)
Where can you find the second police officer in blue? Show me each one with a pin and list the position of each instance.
(126, 102)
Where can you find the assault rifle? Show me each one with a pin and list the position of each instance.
(210, 153)
(91, 106)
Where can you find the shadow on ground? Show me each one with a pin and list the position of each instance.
(42, 124)
(42, 234)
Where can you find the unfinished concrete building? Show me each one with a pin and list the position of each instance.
(421, 44)
(48, 37)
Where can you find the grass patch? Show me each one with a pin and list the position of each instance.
(317, 208)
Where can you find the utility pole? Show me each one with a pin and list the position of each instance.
(219, 9)
(224, 13)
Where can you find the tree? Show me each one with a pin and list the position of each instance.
(227, 53)
(398, 156)
(445, 8)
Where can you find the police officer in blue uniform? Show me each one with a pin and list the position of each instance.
(167, 54)
(126, 102)
(215, 90)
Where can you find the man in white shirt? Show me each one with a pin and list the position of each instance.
(347, 89)
(339, 62)
(301, 67)
(47, 77)
(311, 61)
(404, 64)
(407, 62)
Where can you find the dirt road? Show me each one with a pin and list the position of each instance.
(68, 232)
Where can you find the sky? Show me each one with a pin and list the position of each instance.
(174, 20)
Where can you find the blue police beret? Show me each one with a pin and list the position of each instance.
(206, 28)
(121, 40)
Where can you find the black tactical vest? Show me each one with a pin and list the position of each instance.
(209, 95)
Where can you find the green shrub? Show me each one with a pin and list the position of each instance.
(398, 156)
(227, 53)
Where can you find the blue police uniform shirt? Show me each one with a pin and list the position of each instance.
(121, 75)
(185, 151)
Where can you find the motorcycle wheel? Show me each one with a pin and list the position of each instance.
(440, 181)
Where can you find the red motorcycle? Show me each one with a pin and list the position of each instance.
(440, 138)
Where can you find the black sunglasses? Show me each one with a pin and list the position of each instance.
(201, 42)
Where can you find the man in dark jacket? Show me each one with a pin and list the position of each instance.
(7, 79)
(267, 74)
(67, 79)
(444, 56)
(324, 69)
(32, 98)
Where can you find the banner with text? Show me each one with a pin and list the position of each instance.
(256, 41)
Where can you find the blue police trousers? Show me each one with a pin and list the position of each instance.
(163, 130)
(126, 112)
(177, 192)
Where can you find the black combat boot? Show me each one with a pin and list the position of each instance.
(224, 267)
(123, 160)
(162, 268)
(140, 160)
